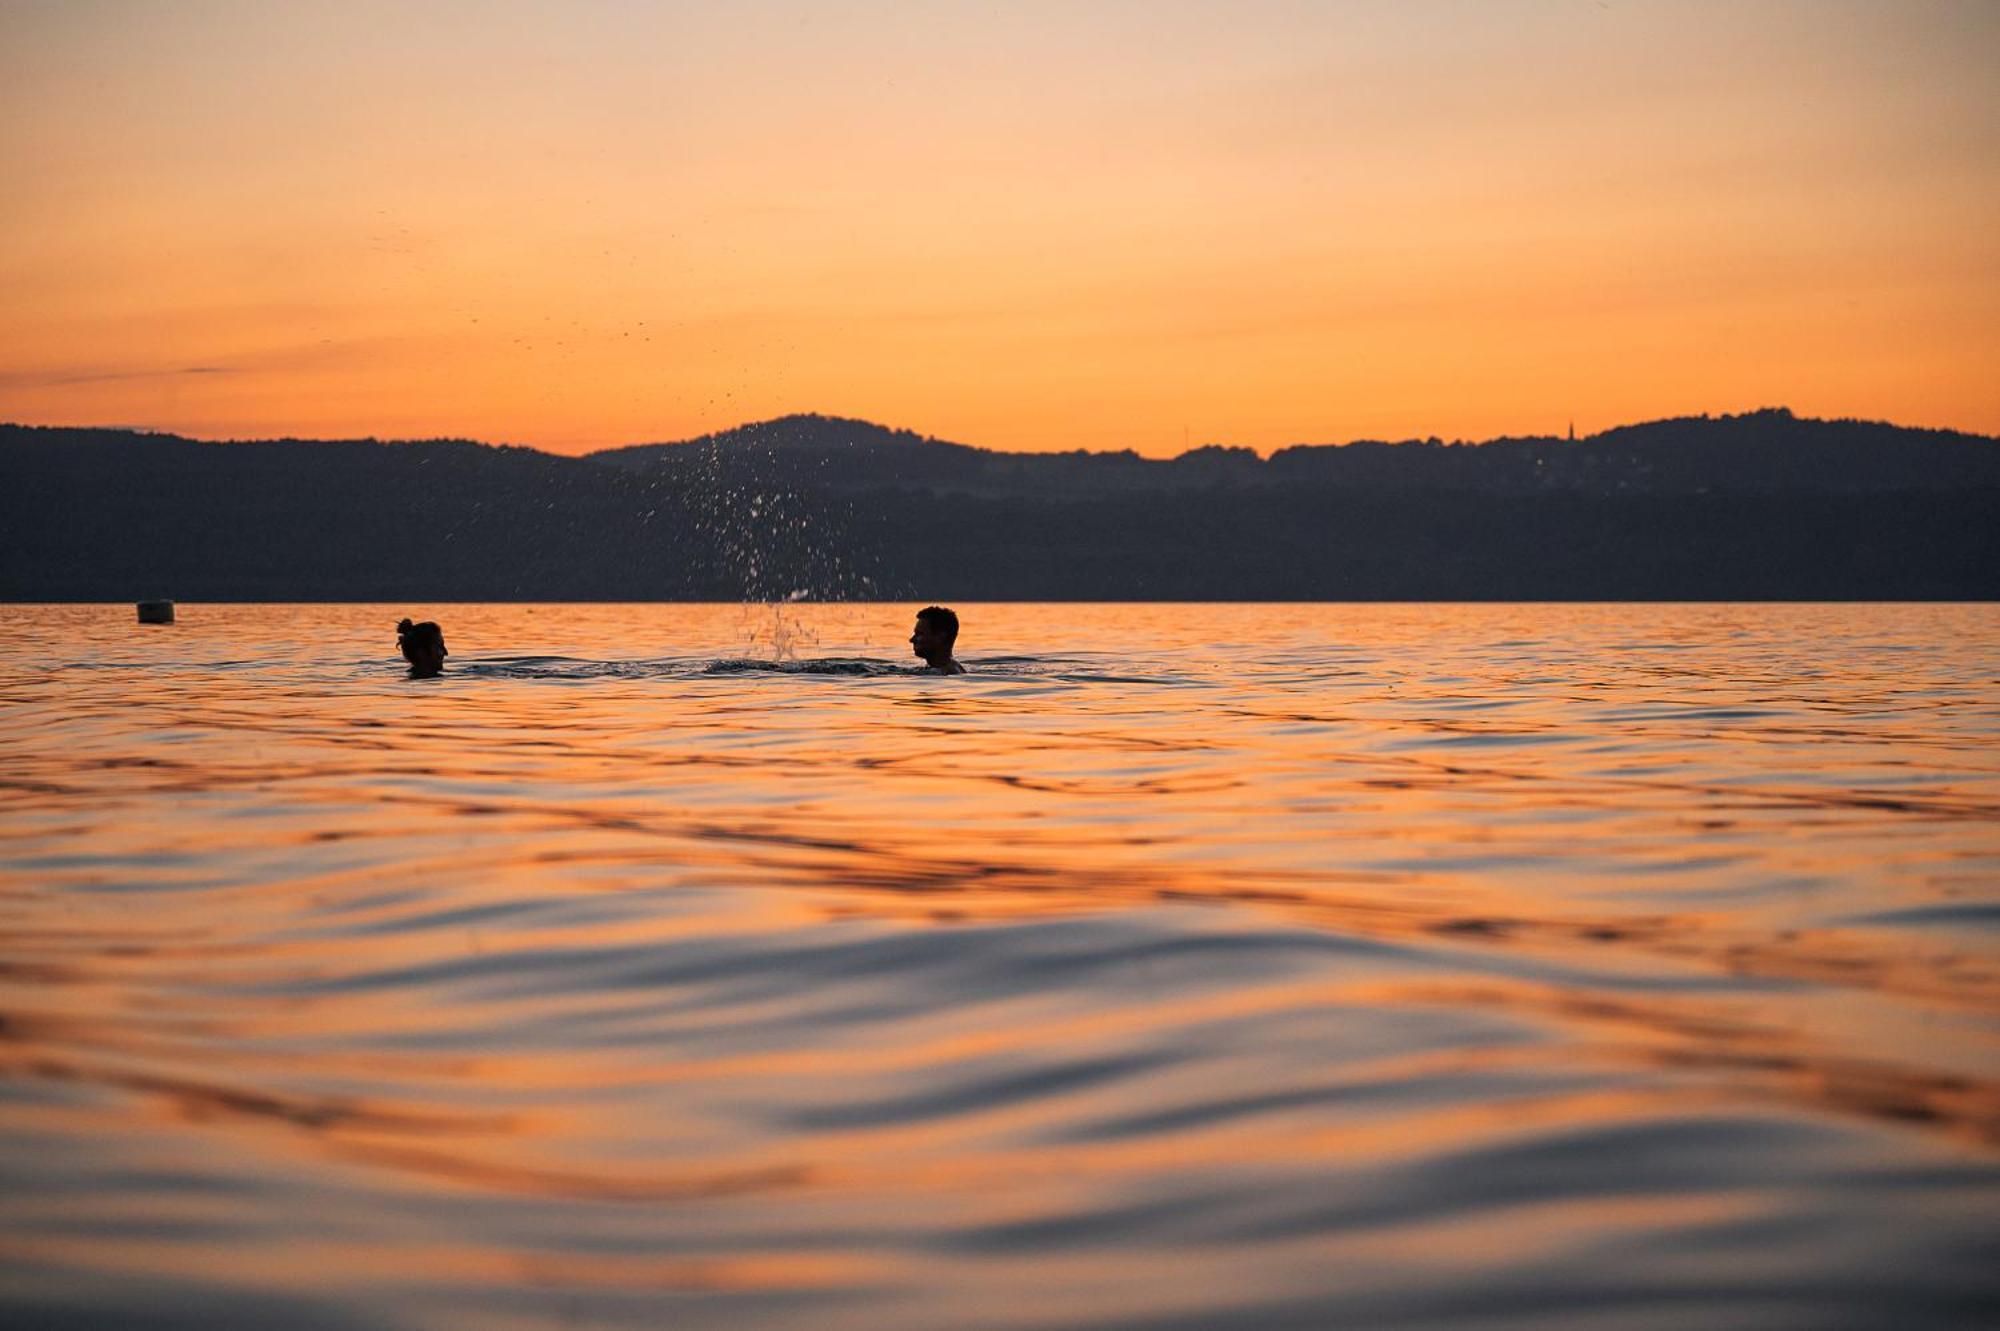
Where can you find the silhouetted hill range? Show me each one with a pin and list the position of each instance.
(1758, 506)
(1758, 452)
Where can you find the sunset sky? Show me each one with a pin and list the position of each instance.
(1021, 225)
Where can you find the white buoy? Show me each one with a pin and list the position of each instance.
(156, 612)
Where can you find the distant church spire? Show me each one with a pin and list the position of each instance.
(1572, 431)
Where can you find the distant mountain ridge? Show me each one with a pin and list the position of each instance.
(1756, 451)
(1764, 505)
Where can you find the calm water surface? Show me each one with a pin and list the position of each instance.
(1181, 967)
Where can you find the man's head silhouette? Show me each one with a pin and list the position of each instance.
(935, 635)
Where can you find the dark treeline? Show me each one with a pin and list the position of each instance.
(1761, 506)
(1756, 452)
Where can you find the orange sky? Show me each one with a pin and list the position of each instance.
(1022, 225)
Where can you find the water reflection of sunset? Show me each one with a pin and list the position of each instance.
(1090, 983)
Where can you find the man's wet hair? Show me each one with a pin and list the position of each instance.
(941, 618)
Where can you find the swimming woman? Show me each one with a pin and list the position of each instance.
(423, 647)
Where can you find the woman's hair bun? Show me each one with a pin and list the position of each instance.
(404, 627)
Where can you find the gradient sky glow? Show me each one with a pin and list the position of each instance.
(1022, 225)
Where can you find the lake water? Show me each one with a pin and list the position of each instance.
(1181, 967)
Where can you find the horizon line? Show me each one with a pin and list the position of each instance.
(1261, 455)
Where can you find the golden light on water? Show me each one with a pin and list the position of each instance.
(1030, 227)
(1368, 954)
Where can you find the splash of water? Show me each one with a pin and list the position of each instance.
(773, 543)
(771, 634)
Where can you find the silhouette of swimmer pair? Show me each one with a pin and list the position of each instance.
(934, 637)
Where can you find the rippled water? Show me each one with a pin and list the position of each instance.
(1180, 967)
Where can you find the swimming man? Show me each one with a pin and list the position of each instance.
(936, 632)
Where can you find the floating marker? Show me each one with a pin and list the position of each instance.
(156, 612)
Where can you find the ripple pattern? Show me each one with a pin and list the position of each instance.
(1180, 967)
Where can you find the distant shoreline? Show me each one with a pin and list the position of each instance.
(1761, 507)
